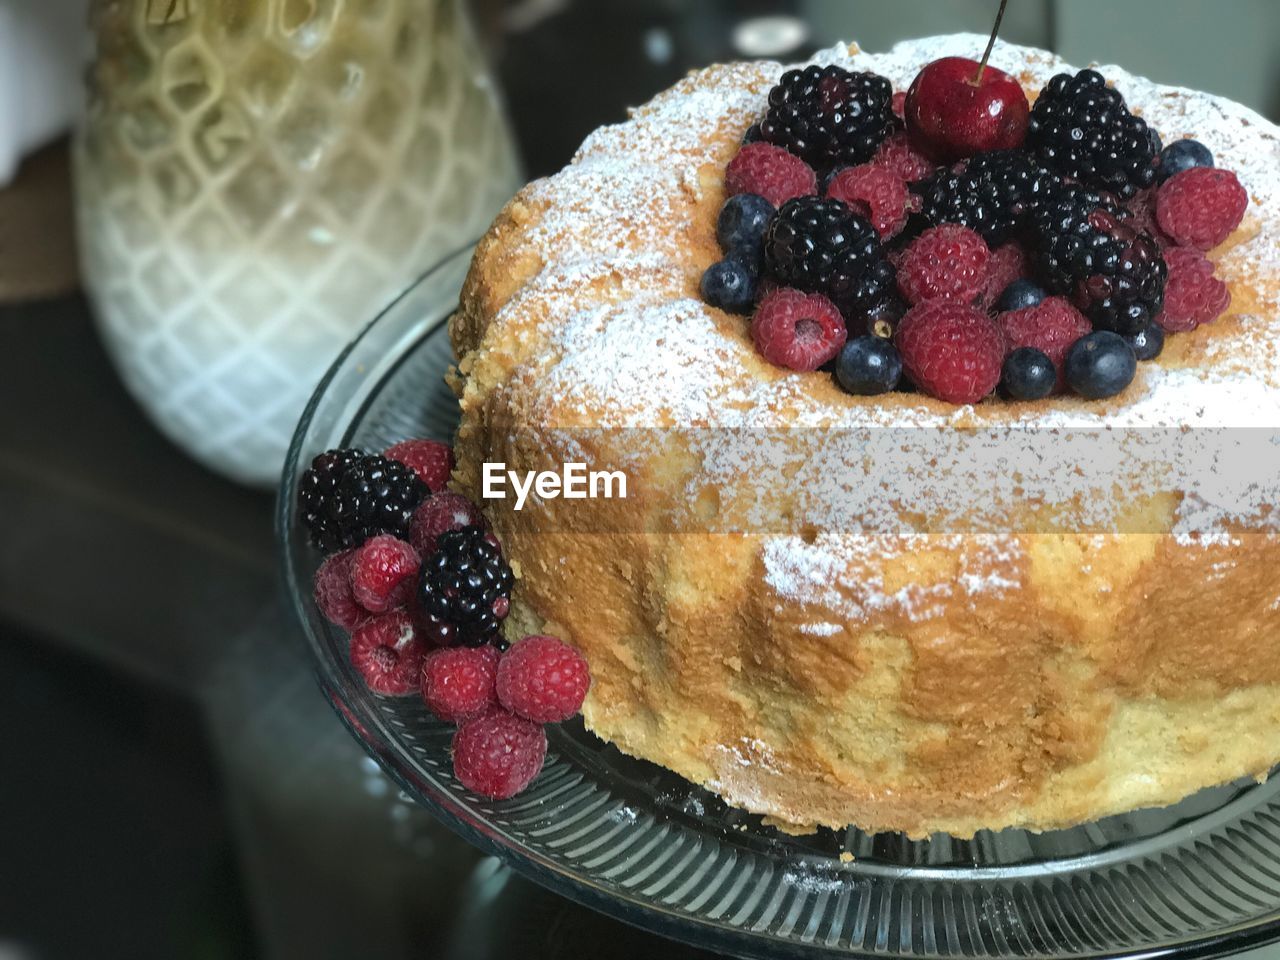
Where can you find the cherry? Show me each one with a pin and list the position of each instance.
(957, 107)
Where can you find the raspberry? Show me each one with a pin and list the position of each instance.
(382, 572)
(1201, 206)
(950, 350)
(796, 330)
(543, 679)
(459, 682)
(387, 652)
(899, 156)
(1143, 217)
(771, 172)
(1007, 264)
(1193, 295)
(898, 103)
(1051, 327)
(944, 263)
(431, 460)
(333, 592)
(497, 754)
(438, 514)
(875, 193)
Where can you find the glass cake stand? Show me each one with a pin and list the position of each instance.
(638, 842)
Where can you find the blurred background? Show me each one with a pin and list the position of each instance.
(251, 180)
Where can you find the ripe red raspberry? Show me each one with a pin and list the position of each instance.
(951, 350)
(431, 460)
(899, 105)
(948, 262)
(382, 572)
(1051, 327)
(438, 514)
(387, 652)
(1201, 206)
(771, 172)
(497, 754)
(1192, 294)
(1007, 264)
(875, 193)
(898, 155)
(799, 331)
(543, 679)
(1143, 208)
(460, 682)
(333, 592)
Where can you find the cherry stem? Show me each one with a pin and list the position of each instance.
(982, 67)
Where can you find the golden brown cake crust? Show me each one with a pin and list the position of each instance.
(912, 681)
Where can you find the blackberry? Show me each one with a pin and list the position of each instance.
(1112, 271)
(990, 195)
(828, 115)
(820, 246)
(467, 585)
(1082, 129)
(347, 496)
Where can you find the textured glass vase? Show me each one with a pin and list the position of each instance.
(256, 179)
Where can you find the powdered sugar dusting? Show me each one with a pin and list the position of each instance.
(629, 342)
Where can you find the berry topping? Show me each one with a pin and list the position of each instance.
(828, 115)
(1050, 326)
(820, 246)
(347, 496)
(460, 682)
(1182, 155)
(1201, 206)
(442, 512)
(1019, 295)
(868, 365)
(1028, 374)
(947, 262)
(382, 573)
(873, 192)
(1100, 365)
(1007, 266)
(497, 754)
(467, 584)
(902, 159)
(333, 593)
(769, 172)
(431, 460)
(741, 224)
(387, 652)
(1113, 272)
(1082, 129)
(950, 350)
(1147, 343)
(1193, 295)
(543, 679)
(797, 330)
(730, 285)
(957, 107)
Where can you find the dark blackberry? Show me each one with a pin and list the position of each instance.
(828, 115)
(990, 195)
(1084, 249)
(1082, 129)
(347, 496)
(820, 246)
(467, 585)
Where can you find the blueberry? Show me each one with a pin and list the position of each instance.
(868, 366)
(1147, 342)
(730, 285)
(1182, 155)
(1028, 374)
(1100, 364)
(1019, 295)
(753, 135)
(741, 224)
